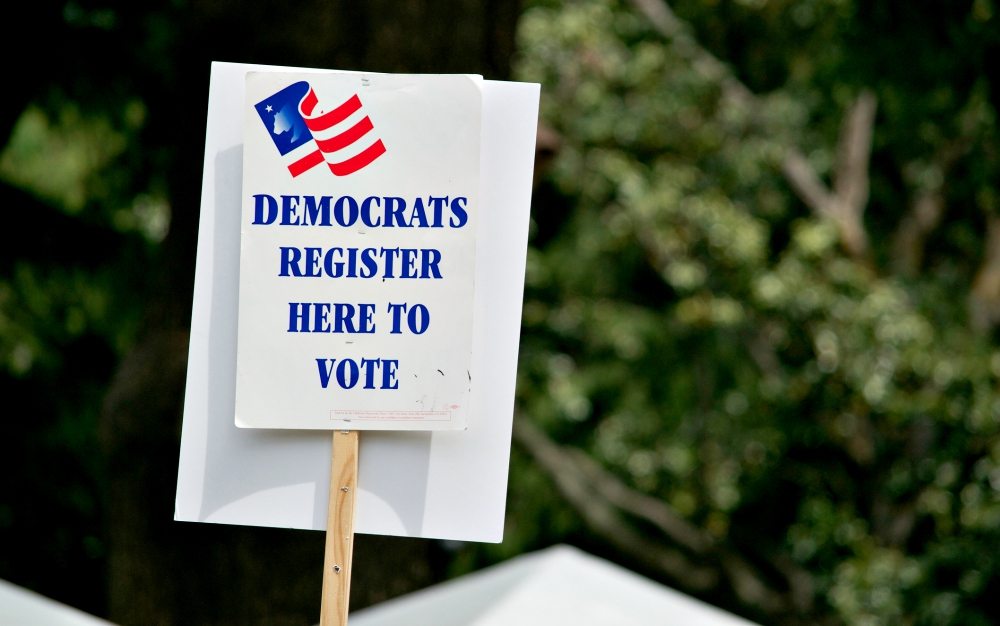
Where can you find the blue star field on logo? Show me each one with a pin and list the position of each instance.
(280, 114)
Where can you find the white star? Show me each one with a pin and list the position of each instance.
(268, 108)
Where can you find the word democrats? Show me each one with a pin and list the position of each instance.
(373, 211)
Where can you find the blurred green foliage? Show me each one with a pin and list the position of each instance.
(689, 323)
(85, 209)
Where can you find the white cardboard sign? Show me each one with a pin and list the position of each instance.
(441, 484)
(358, 255)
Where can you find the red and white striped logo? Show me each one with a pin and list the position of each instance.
(342, 138)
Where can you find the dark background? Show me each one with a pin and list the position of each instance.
(94, 310)
(89, 451)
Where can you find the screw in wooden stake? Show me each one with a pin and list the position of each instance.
(340, 529)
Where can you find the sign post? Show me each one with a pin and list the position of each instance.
(360, 267)
(340, 529)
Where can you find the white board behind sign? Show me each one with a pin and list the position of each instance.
(446, 485)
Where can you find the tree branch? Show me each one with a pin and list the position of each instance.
(802, 588)
(656, 511)
(984, 298)
(806, 184)
(851, 186)
(925, 214)
(595, 493)
(850, 181)
(748, 586)
(670, 26)
(927, 206)
(846, 204)
(603, 518)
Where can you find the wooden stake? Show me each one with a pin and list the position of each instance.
(340, 529)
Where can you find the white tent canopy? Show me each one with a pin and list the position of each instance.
(554, 587)
(560, 586)
(20, 607)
